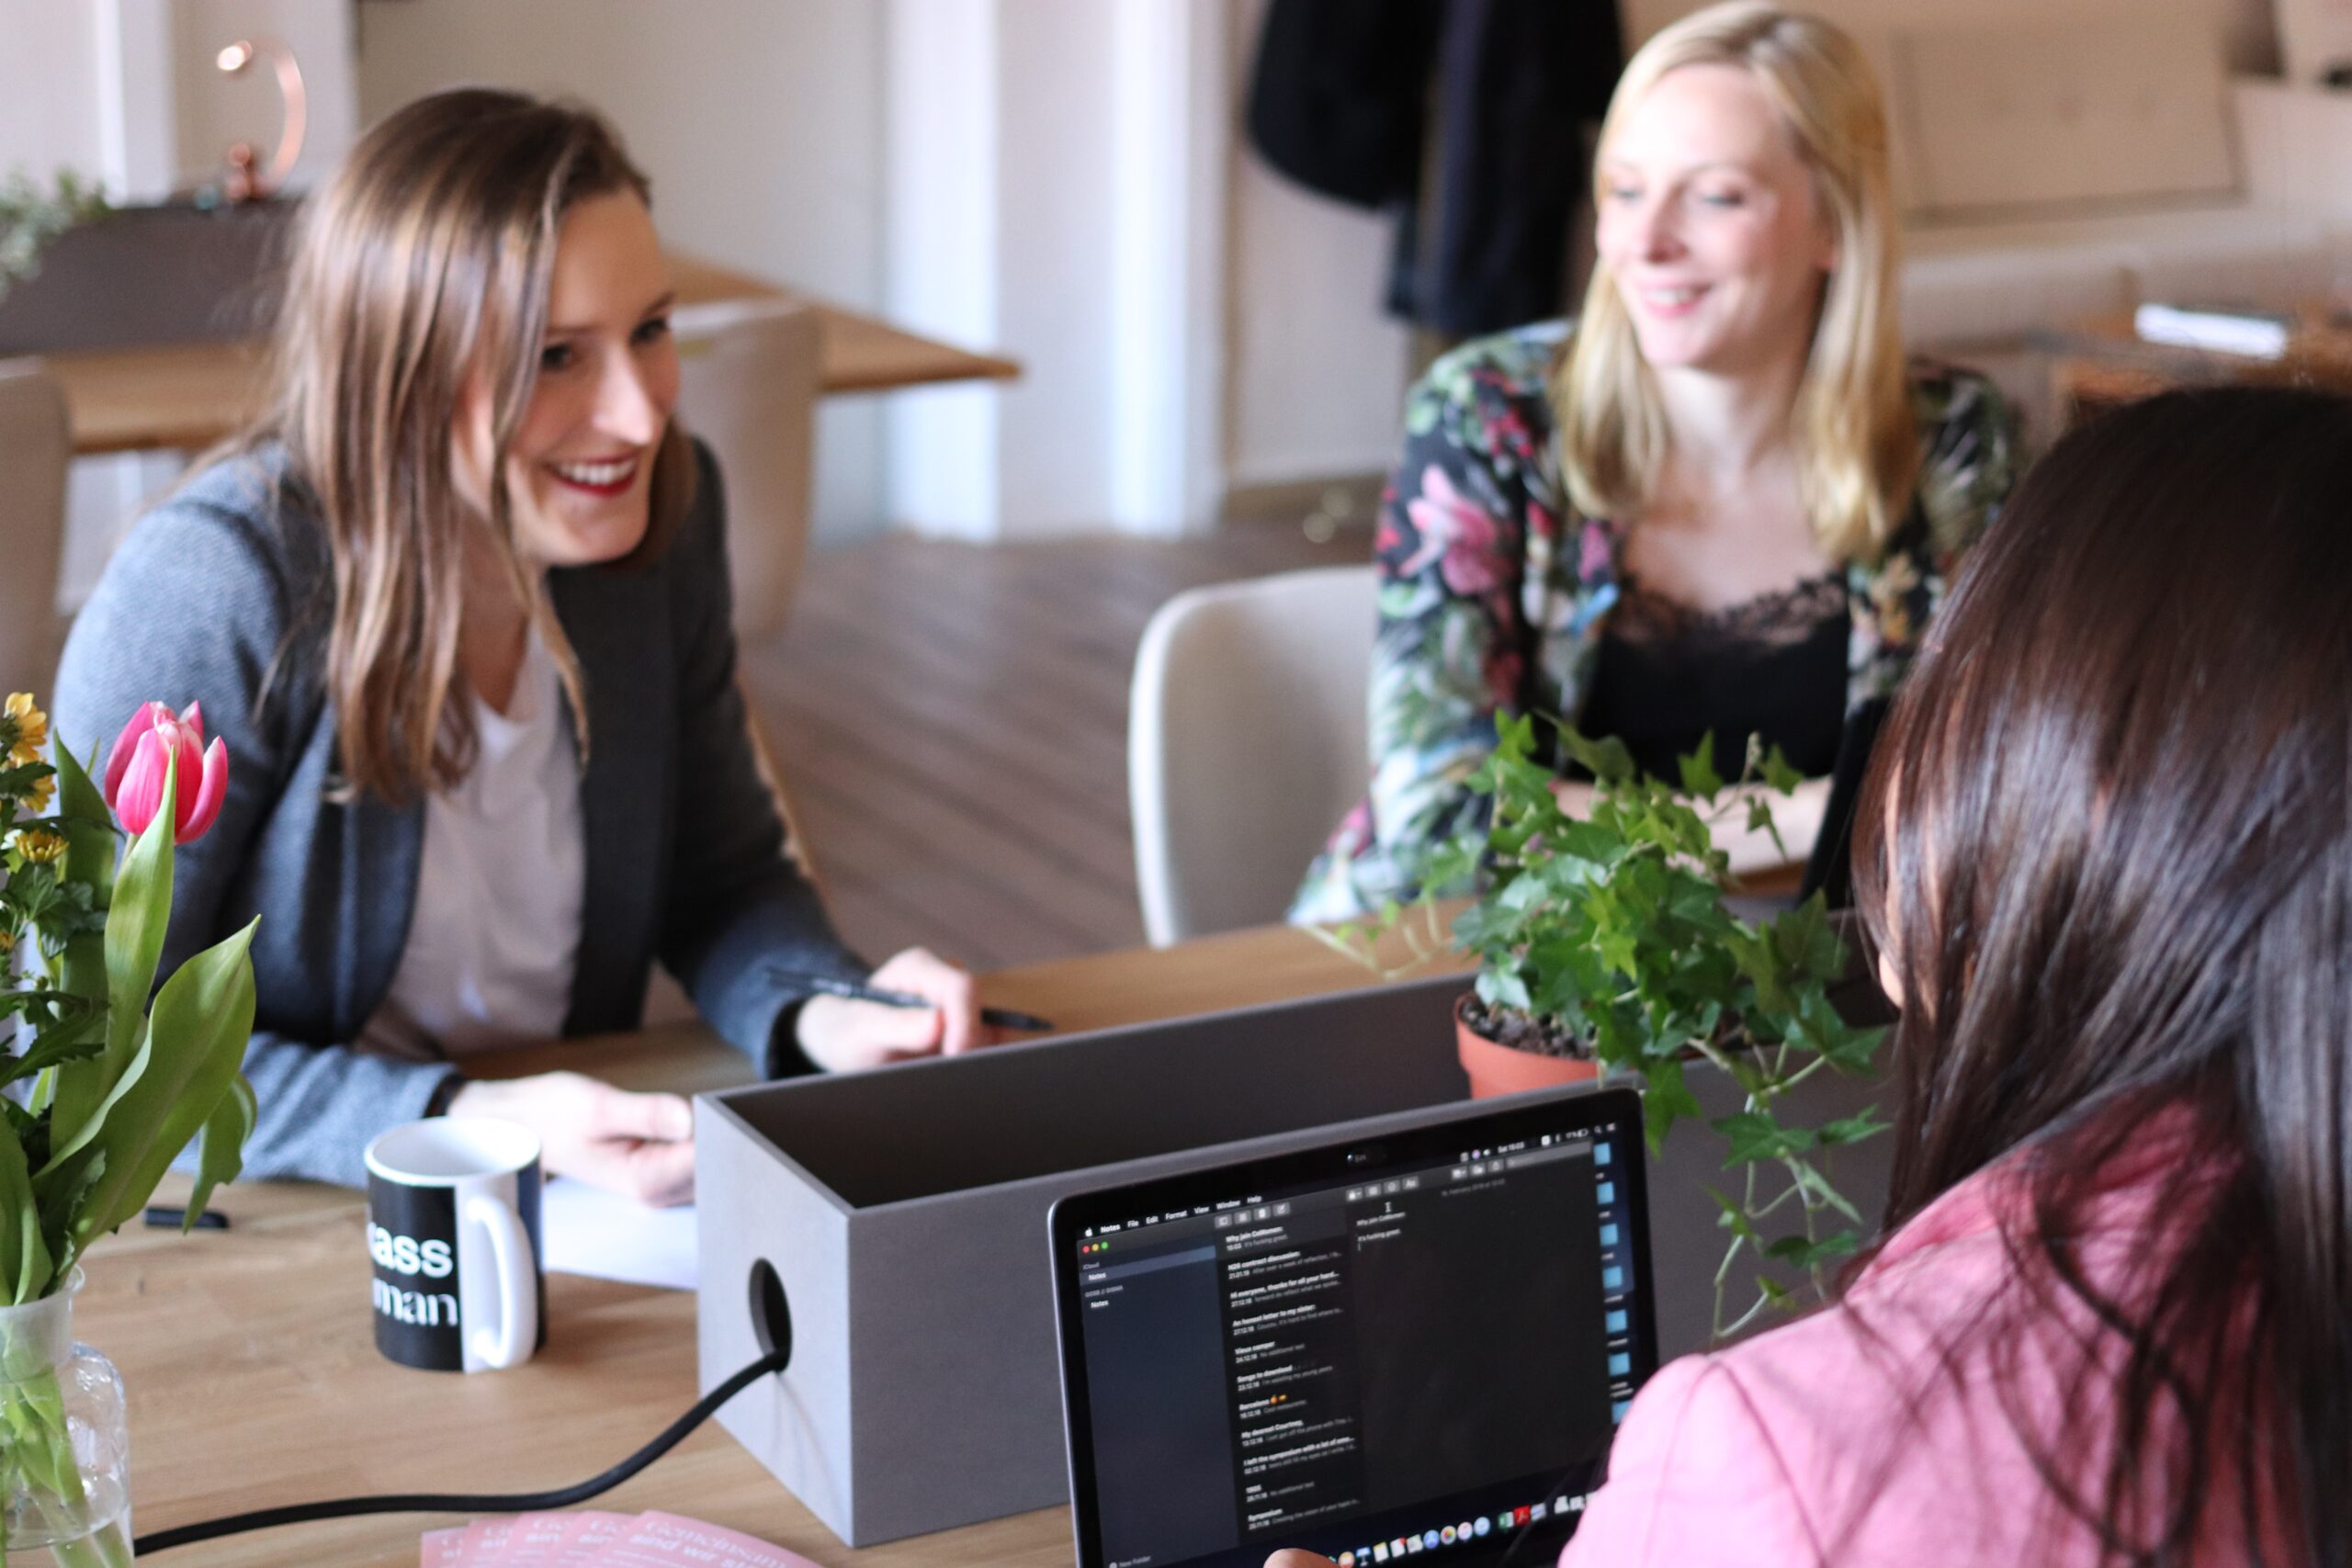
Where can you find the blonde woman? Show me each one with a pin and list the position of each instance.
(1718, 503)
(458, 604)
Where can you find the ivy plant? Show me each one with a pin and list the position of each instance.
(1608, 933)
(31, 215)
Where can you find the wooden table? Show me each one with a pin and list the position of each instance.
(2103, 362)
(186, 396)
(253, 1378)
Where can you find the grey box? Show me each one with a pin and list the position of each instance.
(904, 1212)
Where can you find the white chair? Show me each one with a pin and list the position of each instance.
(1244, 743)
(36, 447)
(748, 379)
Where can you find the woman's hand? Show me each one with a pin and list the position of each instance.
(841, 1036)
(638, 1144)
(1294, 1558)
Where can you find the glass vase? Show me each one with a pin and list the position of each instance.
(64, 1441)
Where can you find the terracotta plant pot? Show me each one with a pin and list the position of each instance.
(1505, 1069)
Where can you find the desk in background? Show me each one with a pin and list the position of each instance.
(253, 1379)
(186, 396)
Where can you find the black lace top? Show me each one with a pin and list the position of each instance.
(1775, 666)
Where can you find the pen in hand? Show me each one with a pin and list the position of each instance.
(833, 986)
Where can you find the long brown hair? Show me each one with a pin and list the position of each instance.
(1856, 440)
(2107, 844)
(424, 261)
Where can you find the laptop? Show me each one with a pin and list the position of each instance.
(1413, 1349)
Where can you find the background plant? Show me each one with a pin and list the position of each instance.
(104, 1090)
(31, 215)
(1609, 929)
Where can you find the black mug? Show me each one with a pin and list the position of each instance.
(452, 1226)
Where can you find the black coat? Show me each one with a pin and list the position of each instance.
(1341, 101)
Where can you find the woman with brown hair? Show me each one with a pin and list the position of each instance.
(1719, 502)
(2106, 857)
(458, 602)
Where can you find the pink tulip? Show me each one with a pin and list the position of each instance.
(142, 754)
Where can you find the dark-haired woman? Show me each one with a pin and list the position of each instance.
(2106, 854)
(458, 604)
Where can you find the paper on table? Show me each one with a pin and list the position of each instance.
(557, 1539)
(661, 1540)
(587, 1230)
(592, 1531)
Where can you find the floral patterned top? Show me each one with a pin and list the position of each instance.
(1494, 592)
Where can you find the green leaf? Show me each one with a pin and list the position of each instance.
(202, 1019)
(136, 923)
(1752, 952)
(61, 1191)
(1735, 1218)
(1806, 943)
(24, 1260)
(1805, 1252)
(1754, 1136)
(87, 870)
(140, 911)
(1666, 1099)
(222, 1156)
(1783, 778)
(1852, 1128)
(1606, 759)
(1810, 1181)
(71, 1041)
(1853, 1050)
(1699, 776)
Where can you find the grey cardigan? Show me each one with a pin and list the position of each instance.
(223, 594)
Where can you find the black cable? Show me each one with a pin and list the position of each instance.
(457, 1503)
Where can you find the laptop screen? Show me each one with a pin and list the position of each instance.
(1420, 1347)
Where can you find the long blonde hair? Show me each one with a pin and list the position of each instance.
(1857, 441)
(424, 261)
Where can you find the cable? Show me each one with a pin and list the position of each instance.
(458, 1502)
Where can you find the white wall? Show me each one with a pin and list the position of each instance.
(49, 63)
(1315, 373)
(211, 110)
(759, 122)
(1056, 174)
(2248, 25)
(125, 91)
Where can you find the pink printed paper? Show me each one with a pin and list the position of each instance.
(662, 1540)
(590, 1537)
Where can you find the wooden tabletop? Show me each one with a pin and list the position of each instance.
(253, 1379)
(186, 396)
(2102, 362)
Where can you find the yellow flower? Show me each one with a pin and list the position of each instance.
(37, 799)
(40, 846)
(32, 729)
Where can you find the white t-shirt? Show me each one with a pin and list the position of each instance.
(496, 930)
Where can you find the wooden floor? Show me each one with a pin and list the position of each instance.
(952, 721)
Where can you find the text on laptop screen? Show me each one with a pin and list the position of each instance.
(1411, 1361)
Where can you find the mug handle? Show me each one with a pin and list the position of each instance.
(518, 1297)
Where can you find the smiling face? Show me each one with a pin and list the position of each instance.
(579, 469)
(1711, 226)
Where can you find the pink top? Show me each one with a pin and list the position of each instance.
(1796, 1447)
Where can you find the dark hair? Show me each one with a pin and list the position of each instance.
(2106, 842)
